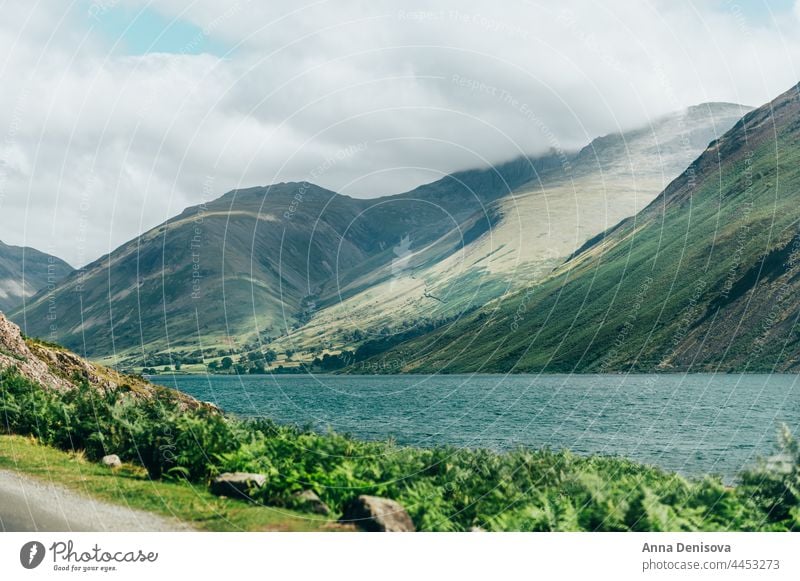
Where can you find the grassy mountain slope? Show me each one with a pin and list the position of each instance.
(295, 267)
(248, 266)
(706, 277)
(521, 238)
(198, 274)
(25, 271)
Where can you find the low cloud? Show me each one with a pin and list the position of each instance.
(98, 146)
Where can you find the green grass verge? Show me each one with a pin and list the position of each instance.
(131, 487)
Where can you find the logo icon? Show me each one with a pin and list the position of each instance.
(31, 554)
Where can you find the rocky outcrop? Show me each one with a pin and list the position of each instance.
(54, 367)
(375, 514)
(239, 485)
(15, 352)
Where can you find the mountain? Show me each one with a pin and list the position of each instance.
(705, 278)
(25, 271)
(520, 238)
(296, 268)
(236, 272)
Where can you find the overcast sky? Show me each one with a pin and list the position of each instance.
(117, 114)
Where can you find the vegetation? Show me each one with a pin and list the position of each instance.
(444, 489)
(206, 263)
(703, 279)
(130, 486)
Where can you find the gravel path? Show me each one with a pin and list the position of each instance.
(27, 504)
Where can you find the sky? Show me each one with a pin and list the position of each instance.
(115, 115)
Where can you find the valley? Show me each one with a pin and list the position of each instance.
(276, 278)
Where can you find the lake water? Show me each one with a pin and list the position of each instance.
(693, 424)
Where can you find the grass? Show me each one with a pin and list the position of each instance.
(686, 285)
(130, 486)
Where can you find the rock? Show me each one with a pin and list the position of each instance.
(112, 461)
(308, 501)
(15, 352)
(375, 514)
(237, 484)
(49, 366)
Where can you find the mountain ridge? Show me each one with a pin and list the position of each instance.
(24, 271)
(525, 235)
(295, 267)
(701, 279)
(272, 249)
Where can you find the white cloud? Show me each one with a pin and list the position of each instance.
(97, 147)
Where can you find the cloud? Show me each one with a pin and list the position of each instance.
(97, 145)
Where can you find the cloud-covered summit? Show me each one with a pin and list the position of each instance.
(105, 131)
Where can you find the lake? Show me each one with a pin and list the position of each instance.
(693, 424)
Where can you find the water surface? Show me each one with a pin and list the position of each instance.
(694, 424)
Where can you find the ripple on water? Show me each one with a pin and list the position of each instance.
(690, 423)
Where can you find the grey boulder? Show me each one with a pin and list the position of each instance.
(239, 485)
(376, 514)
(111, 460)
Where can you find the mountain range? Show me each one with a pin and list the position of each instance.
(25, 271)
(252, 265)
(705, 278)
(303, 271)
(574, 197)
